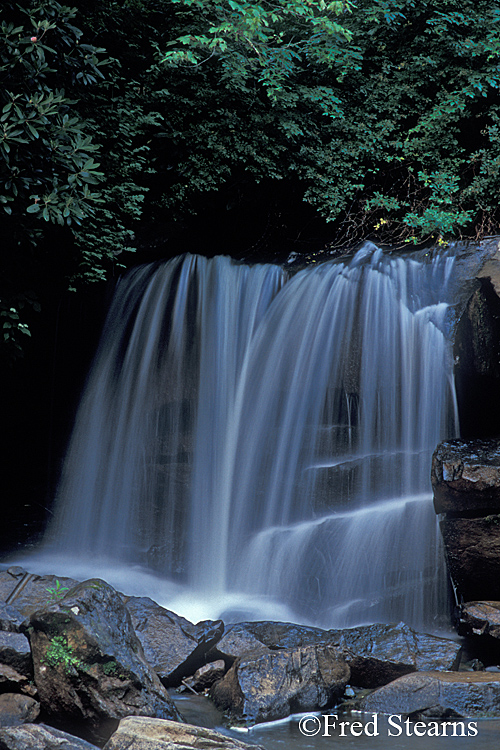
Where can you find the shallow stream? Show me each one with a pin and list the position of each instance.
(478, 734)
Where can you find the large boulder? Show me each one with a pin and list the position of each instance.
(90, 668)
(138, 733)
(40, 737)
(173, 646)
(437, 694)
(378, 654)
(270, 685)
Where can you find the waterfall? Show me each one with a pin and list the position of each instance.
(258, 435)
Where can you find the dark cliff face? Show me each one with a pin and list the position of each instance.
(477, 369)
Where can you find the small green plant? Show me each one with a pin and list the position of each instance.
(110, 668)
(58, 591)
(59, 652)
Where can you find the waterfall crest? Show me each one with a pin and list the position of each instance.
(254, 432)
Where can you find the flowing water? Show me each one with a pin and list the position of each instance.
(260, 440)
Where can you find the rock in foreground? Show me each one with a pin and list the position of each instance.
(40, 737)
(438, 694)
(273, 685)
(376, 654)
(173, 646)
(89, 664)
(17, 709)
(139, 733)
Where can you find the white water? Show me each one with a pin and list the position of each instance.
(270, 436)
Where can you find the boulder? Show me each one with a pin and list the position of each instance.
(15, 652)
(40, 737)
(139, 733)
(10, 618)
(173, 646)
(479, 618)
(437, 694)
(89, 664)
(17, 709)
(270, 685)
(236, 641)
(29, 592)
(283, 634)
(466, 477)
(473, 555)
(378, 654)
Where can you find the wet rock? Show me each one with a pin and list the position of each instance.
(173, 646)
(437, 694)
(28, 592)
(138, 733)
(10, 618)
(89, 664)
(466, 482)
(265, 686)
(40, 737)
(479, 618)
(236, 641)
(466, 477)
(276, 635)
(15, 652)
(17, 709)
(473, 555)
(378, 654)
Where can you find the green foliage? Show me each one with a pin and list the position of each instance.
(58, 591)
(383, 115)
(48, 171)
(47, 167)
(409, 147)
(266, 42)
(60, 653)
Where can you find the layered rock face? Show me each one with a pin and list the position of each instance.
(466, 481)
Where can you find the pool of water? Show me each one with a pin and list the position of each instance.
(349, 731)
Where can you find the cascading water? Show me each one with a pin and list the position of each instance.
(266, 436)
